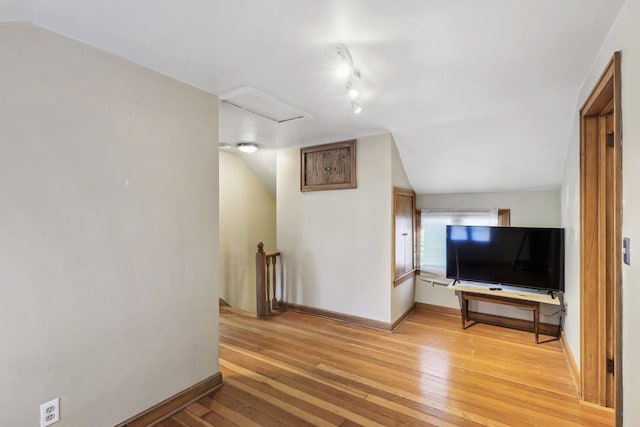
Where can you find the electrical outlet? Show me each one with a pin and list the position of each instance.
(50, 412)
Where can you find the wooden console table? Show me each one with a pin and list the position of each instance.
(525, 300)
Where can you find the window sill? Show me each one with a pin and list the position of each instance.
(404, 277)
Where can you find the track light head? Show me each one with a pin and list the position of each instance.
(343, 70)
(356, 106)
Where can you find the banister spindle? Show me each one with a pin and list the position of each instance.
(266, 282)
(274, 301)
(268, 286)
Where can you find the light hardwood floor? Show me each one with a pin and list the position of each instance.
(298, 370)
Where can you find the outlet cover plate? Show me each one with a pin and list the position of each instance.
(626, 250)
(50, 412)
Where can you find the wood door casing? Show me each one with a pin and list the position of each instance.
(592, 316)
(606, 124)
(601, 242)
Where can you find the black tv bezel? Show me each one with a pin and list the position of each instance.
(561, 286)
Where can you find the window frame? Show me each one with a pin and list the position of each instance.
(503, 219)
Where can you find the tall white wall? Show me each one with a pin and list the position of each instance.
(624, 36)
(403, 295)
(528, 209)
(109, 232)
(247, 216)
(336, 245)
(13, 10)
(570, 196)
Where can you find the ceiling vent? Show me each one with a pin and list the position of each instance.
(264, 105)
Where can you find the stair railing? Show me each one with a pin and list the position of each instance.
(266, 282)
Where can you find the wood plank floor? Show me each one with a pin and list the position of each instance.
(299, 370)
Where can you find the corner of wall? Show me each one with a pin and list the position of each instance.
(331, 240)
(247, 216)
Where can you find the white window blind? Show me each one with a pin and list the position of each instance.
(433, 236)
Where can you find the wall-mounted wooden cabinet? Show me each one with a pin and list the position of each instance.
(404, 234)
(328, 166)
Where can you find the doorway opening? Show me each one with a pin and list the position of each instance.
(601, 242)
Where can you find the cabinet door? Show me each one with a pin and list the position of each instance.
(328, 166)
(404, 233)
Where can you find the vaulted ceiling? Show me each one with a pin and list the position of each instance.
(480, 95)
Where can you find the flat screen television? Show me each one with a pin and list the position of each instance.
(515, 256)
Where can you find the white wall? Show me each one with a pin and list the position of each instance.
(336, 244)
(403, 295)
(13, 10)
(247, 216)
(109, 232)
(570, 196)
(528, 209)
(624, 36)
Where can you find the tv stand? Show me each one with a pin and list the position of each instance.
(521, 299)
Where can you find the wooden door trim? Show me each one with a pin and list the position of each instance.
(617, 124)
(604, 99)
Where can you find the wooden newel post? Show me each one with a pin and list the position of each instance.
(261, 295)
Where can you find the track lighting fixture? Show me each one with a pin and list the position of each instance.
(346, 72)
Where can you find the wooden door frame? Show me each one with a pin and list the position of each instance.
(604, 99)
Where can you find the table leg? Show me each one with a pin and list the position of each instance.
(536, 320)
(464, 311)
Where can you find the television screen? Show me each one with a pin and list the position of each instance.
(516, 256)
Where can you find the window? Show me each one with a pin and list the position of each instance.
(433, 236)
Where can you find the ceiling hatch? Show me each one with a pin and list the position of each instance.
(262, 104)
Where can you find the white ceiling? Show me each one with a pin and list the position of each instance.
(480, 95)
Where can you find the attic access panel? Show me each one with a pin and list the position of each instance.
(328, 166)
(262, 104)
